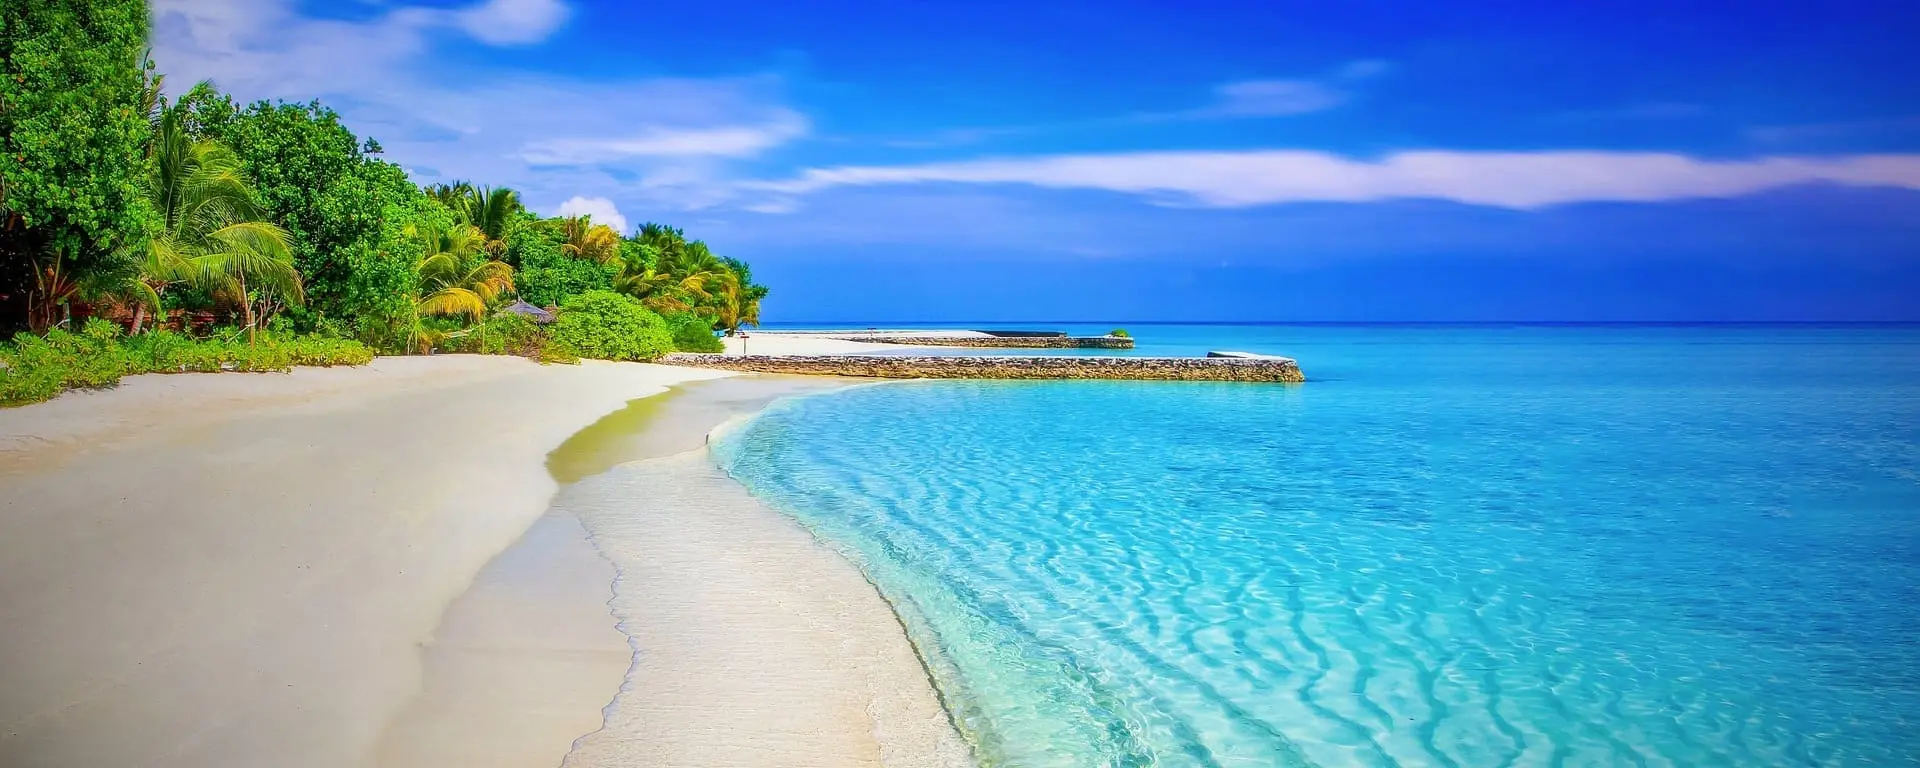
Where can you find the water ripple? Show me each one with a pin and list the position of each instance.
(1549, 564)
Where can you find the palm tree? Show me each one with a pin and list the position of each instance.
(495, 211)
(587, 240)
(456, 279)
(212, 235)
(492, 210)
(660, 291)
(737, 304)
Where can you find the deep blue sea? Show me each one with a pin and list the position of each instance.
(1453, 546)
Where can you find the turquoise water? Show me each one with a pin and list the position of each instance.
(1453, 546)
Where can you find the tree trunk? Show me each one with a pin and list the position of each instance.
(246, 306)
(139, 315)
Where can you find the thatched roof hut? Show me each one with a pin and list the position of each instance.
(531, 312)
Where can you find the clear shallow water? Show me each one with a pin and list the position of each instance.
(1454, 546)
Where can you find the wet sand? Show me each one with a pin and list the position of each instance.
(527, 658)
(754, 644)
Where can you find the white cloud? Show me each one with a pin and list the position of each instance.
(1272, 98)
(1281, 97)
(601, 209)
(513, 22)
(1232, 100)
(1519, 180)
(666, 142)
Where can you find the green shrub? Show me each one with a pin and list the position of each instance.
(693, 333)
(33, 368)
(502, 334)
(1120, 332)
(604, 325)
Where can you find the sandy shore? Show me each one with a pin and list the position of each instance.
(754, 644)
(775, 343)
(227, 569)
(321, 568)
(740, 642)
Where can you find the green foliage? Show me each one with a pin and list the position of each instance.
(382, 278)
(35, 368)
(211, 235)
(604, 325)
(1120, 332)
(73, 138)
(314, 178)
(115, 203)
(693, 333)
(494, 211)
(547, 274)
(502, 334)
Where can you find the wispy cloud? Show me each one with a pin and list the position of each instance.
(1239, 99)
(512, 22)
(780, 127)
(650, 141)
(1851, 129)
(1520, 180)
(1280, 98)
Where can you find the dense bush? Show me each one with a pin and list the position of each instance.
(604, 325)
(1120, 332)
(502, 334)
(545, 274)
(35, 368)
(72, 144)
(693, 333)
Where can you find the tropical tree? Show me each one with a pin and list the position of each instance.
(453, 196)
(495, 211)
(211, 233)
(315, 178)
(735, 304)
(587, 240)
(660, 291)
(72, 150)
(456, 277)
(686, 275)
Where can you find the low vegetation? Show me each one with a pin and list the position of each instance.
(34, 367)
(693, 333)
(1120, 332)
(604, 325)
(192, 223)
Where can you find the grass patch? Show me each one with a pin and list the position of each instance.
(35, 368)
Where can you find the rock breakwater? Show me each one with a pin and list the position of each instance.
(1269, 369)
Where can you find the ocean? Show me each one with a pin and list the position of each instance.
(1454, 546)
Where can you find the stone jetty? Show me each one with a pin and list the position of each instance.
(989, 340)
(1262, 369)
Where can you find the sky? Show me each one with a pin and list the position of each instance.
(1173, 161)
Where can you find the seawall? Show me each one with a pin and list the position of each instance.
(1271, 369)
(1001, 342)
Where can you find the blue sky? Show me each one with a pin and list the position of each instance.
(1163, 161)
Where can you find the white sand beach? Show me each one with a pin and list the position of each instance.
(806, 343)
(280, 569)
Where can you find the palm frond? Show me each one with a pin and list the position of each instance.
(168, 261)
(257, 251)
(144, 293)
(489, 279)
(453, 302)
(439, 269)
